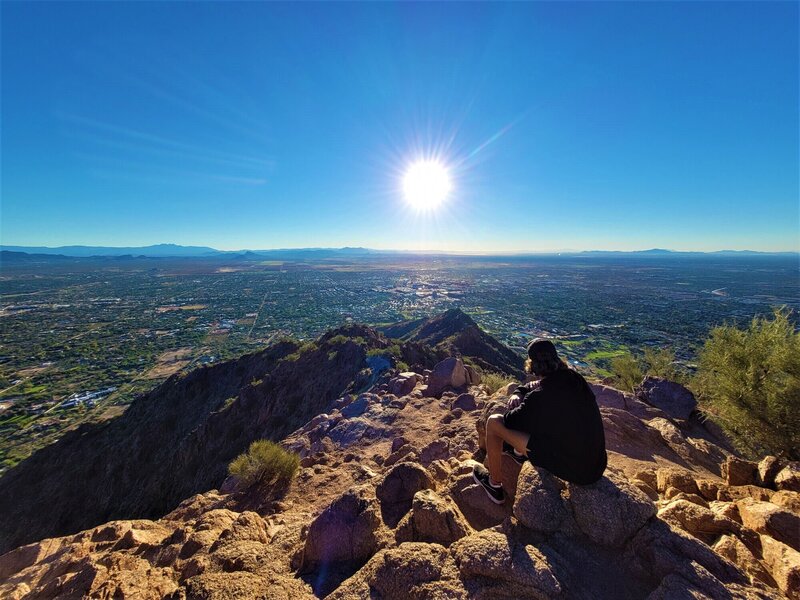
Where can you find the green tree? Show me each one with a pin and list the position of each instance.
(626, 372)
(748, 381)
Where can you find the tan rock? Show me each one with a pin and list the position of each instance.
(492, 557)
(432, 519)
(783, 563)
(735, 551)
(789, 477)
(768, 468)
(736, 471)
(396, 490)
(770, 519)
(787, 499)
(538, 504)
(697, 520)
(725, 509)
(675, 478)
(412, 570)
(709, 488)
(610, 511)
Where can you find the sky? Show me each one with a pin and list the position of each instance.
(266, 125)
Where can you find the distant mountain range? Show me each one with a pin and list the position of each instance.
(175, 250)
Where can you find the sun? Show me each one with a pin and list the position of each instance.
(426, 184)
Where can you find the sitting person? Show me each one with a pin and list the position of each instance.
(554, 422)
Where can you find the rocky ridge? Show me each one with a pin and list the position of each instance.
(385, 507)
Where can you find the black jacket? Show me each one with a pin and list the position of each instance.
(561, 414)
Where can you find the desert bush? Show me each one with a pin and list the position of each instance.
(661, 363)
(264, 462)
(494, 381)
(626, 372)
(748, 381)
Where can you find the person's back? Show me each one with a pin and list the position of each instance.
(566, 428)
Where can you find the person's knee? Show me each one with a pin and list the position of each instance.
(494, 422)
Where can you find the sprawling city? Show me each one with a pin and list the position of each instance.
(83, 336)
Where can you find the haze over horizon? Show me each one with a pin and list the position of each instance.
(560, 125)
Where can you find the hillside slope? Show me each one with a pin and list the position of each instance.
(384, 506)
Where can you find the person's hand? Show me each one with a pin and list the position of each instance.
(514, 401)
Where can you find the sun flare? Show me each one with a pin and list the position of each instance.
(426, 184)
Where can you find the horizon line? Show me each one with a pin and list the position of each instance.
(488, 252)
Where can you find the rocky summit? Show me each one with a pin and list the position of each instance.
(385, 506)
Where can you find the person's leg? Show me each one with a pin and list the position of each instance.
(496, 434)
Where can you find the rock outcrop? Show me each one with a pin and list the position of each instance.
(385, 506)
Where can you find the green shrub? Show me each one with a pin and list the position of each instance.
(494, 381)
(661, 363)
(402, 366)
(626, 372)
(264, 462)
(748, 381)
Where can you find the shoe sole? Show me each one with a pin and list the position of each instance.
(492, 498)
(520, 460)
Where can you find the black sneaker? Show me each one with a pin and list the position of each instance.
(508, 450)
(481, 476)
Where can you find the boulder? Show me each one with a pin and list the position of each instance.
(412, 570)
(736, 471)
(768, 469)
(788, 478)
(473, 375)
(347, 531)
(519, 570)
(396, 490)
(735, 551)
(701, 522)
(357, 407)
(770, 519)
(436, 450)
(432, 519)
(448, 373)
(783, 563)
(709, 488)
(538, 504)
(464, 402)
(676, 478)
(675, 400)
(610, 511)
(788, 500)
(404, 383)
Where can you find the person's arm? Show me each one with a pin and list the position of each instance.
(519, 394)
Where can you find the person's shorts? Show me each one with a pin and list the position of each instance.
(513, 421)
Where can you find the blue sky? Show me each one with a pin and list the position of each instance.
(264, 125)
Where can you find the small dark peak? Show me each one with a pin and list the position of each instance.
(449, 323)
(354, 331)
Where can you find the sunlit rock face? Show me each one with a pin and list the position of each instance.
(385, 505)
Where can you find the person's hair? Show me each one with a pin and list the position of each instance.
(545, 367)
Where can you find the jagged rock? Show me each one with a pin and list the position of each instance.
(520, 571)
(736, 471)
(448, 373)
(397, 489)
(407, 453)
(412, 570)
(404, 383)
(436, 450)
(432, 519)
(471, 499)
(473, 375)
(735, 551)
(708, 488)
(789, 477)
(675, 478)
(767, 518)
(768, 469)
(357, 407)
(783, 563)
(464, 402)
(697, 520)
(610, 511)
(673, 398)
(348, 531)
(725, 509)
(788, 500)
(657, 550)
(222, 586)
(538, 504)
(739, 492)
(349, 431)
